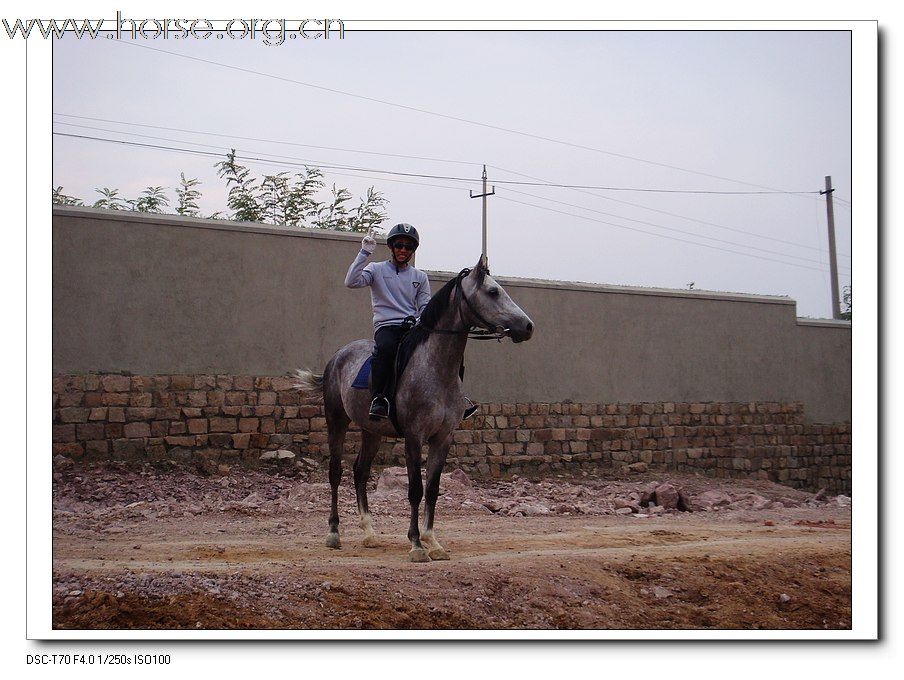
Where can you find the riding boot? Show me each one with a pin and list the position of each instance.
(379, 407)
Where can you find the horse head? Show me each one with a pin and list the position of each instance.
(491, 308)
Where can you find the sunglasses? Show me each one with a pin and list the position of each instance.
(403, 246)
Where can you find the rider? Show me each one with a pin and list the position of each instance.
(398, 290)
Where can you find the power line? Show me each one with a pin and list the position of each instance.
(660, 226)
(339, 167)
(268, 160)
(672, 238)
(446, 116)
(512, 182)
(258, 139)
(672, 214)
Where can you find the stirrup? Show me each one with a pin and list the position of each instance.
(470, 410)
(379, 408)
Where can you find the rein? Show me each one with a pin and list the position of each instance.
(474, 333)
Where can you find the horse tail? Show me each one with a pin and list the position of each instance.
(310, 383)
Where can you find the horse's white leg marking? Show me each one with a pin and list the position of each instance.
(367, 524)
(434, 550)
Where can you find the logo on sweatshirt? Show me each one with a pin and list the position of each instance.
(417, 284)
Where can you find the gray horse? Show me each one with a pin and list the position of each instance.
(429, 400)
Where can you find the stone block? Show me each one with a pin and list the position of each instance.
(69, 449)
(141, 399)
(71, 399)
(93, 399)
(297, 425)
(99, 447)
(137, 413)
(542, 435)
(222, 425)
(136, 430)
(116, 383)
(64, 433)
(73, 414)
(90, 431)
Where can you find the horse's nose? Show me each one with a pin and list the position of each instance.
(525, 333)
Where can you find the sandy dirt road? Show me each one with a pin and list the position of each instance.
(175, 550)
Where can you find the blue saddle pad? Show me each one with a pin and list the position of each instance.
(362, 380)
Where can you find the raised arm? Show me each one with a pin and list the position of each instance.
(357, 276)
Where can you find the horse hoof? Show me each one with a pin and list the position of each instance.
(438, 554)
(418, 555)
(332, 541)
(371, 542)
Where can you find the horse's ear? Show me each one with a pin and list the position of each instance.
(482, 263)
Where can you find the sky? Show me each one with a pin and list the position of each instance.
(662, 111)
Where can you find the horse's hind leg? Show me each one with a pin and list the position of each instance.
(435, 462)
(337, 425)
(370, 444)
(415, 494)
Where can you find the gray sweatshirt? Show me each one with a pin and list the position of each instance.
(394, 294)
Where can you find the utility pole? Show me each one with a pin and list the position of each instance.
(833, 263)
(484, 197)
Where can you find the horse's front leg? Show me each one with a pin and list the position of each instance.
(370, 445)
(415, 494)
(436, 460)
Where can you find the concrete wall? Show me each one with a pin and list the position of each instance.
(160, 295)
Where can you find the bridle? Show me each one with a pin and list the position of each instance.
(479, 333)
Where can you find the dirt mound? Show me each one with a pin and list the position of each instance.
(171, 549)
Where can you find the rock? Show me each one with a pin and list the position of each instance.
(661, 593)
(708, 500)
(268, 455)
(309, 463)
(623, 511)
(784, 597)
(656, 509)
(635, 467)
(526, 510)
(843, 501)
(284, 454)
(493, 505)
(626, 503)
(667, 496)
(393, 480)
(759, 503)
(820, 495)
(461, 477)
(647, 494)
(61, 462)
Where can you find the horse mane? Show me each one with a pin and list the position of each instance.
(435, 310)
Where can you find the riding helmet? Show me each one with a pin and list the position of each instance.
(403, 230)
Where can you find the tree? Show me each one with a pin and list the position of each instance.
(242, 188)
(276, 199)
(59, 198)
(846, 305)
(369, 213)
(110, 200)
(151, 200)
(188, 197)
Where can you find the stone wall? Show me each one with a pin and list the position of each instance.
(234, 419)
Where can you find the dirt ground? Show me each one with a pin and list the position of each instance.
(151, 548)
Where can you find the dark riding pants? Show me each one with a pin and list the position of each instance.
(386, 340)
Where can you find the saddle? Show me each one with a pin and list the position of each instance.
(403, 354)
